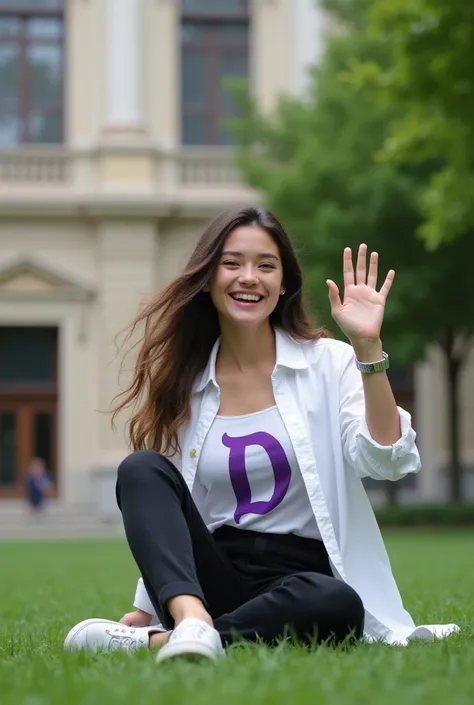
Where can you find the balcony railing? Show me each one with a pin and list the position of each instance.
(201, 169)
(53, 169)
(35, 167)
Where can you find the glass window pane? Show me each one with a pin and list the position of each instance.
(44, 27)
(194, 130)
(27, 355)
(194, 31)
(215, 7)
(226, 136)
(10, 127)
(8, 459)
(44, 127)
(45, 64)
(232, 65)
(9, 26)
(193, 77)
(32, 4)
(233, 31)
(9, 70)
(43, 437)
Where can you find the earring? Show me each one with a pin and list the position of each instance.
(283, 292)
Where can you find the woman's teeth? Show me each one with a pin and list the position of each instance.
(246, 297)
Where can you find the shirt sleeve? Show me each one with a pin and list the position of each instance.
(367, 457)
(142, 601)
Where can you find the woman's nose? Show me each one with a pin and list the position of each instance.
(249, 276)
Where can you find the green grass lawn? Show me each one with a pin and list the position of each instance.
(46, 587)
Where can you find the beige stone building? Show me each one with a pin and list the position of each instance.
(112, 158)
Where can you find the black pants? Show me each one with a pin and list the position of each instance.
(254, 585)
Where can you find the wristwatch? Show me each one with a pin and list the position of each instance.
(369, 367)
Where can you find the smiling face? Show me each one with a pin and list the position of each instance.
(248, 280)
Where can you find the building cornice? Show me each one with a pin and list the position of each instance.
(119, 181)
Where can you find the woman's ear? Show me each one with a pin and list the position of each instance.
(206, 289)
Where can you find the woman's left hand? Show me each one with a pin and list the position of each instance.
(360, 314)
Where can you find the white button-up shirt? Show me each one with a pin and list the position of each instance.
(319, 393)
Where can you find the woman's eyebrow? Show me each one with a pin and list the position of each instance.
(263, 255)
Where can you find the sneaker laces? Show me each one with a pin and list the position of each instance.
(194, 630)
(119, 639)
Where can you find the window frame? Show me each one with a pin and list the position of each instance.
(31, 387)
(213, 51)
(195, 15)
(26, 105)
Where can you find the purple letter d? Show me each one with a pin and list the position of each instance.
(238, 472)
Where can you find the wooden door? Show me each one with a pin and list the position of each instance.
(28, 429)
(28, 403)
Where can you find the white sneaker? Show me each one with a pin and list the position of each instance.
(94, 634)
(194, 639)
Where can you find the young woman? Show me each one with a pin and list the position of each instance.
(242, 502)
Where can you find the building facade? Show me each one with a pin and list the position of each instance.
(113, 156)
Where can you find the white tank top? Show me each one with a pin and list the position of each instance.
(251, 476)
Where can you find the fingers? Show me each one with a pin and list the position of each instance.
(361, 275)
(334, 297)
(373, 270)
(347, 268)
(136, 619)
(361, 271)
(361, 266)
(387, 285)
(130, 619)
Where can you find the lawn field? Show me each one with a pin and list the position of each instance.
(46, 587)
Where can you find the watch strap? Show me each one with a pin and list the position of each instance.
(370, 367)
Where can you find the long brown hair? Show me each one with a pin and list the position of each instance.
(181, 326)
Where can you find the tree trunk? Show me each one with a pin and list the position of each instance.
(456, 349)
(391, 493)
(454, 368)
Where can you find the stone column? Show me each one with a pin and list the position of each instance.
(311, 27)
(124, 65)
(128, 266)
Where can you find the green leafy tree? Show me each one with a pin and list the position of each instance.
(431, 77)
(313, 160)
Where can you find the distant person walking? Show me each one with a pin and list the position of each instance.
(38, 485)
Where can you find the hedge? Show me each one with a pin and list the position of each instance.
(448, 514)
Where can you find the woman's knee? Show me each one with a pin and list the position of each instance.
(339, 599)
(349, 605)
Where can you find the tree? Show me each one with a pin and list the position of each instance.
(430, 75)
(314, 162)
